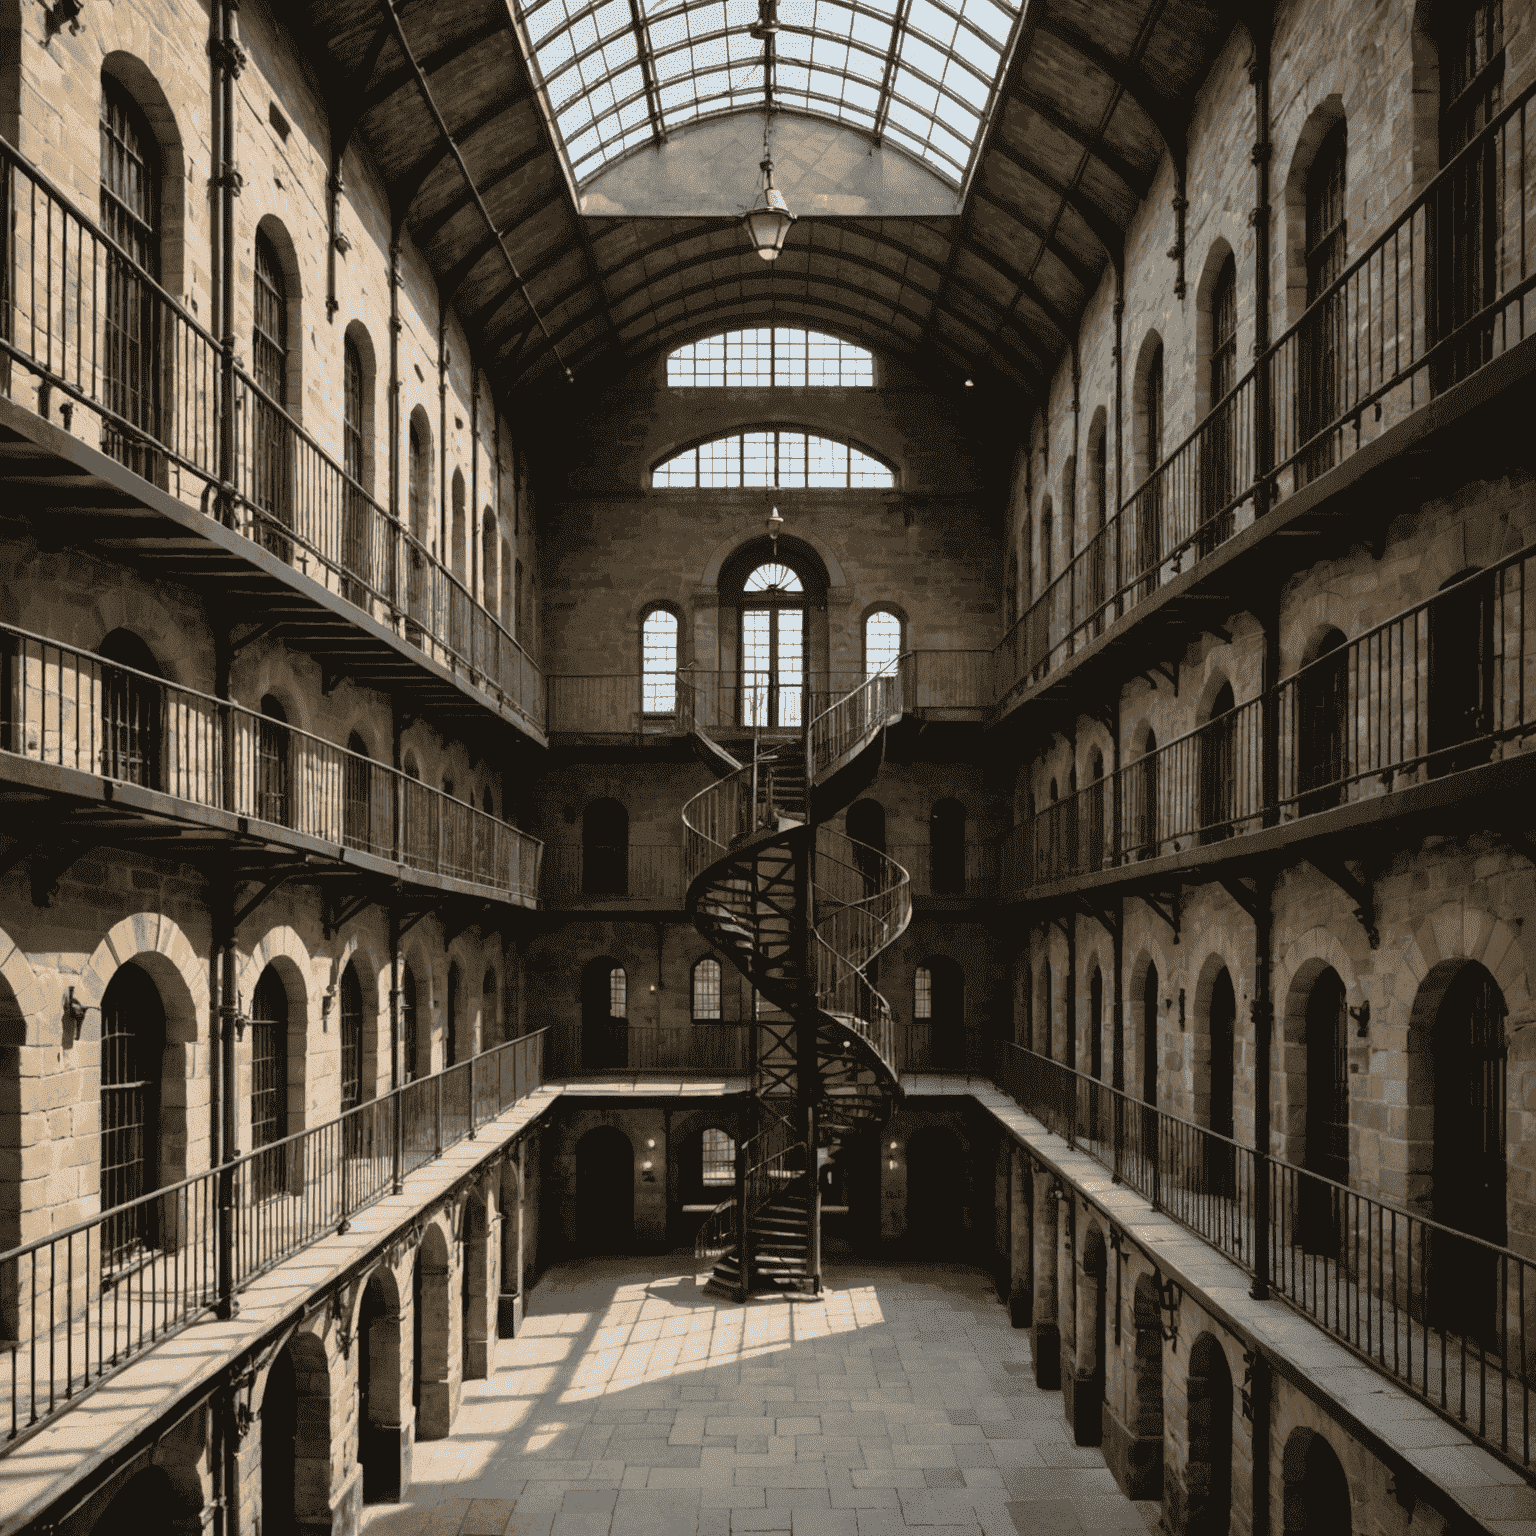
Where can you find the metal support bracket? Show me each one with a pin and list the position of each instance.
(256, 632)
(1250, 1358)
(1101, 915)
(280, 878)
(337, 911)
(1361, 889)
(465, 920)
(1244, 894)
(1169, 1294)
(1160, 669)
(1167, 906)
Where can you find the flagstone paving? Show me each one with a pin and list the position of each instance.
(631, 1404)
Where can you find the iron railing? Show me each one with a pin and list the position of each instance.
(845, 725)
(939, 680)
(636, 871)
(1442, 686)
(940, 869)
(60, 277)
(1439, 293)
(765, 1165)
(74, 1311)
(70, 708)
(1447, 1316)
(605, 1046)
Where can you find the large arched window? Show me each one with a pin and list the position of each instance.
(771, 457)
(773, 659)
(132, 1043)
(269, 368)
(706, 989)
(130, 209)
(782, 356)
(719, 1157)
(882, 642)
(658, 662)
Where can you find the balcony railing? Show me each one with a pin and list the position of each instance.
(66, 294)
(1441, 687)
(602, 1047)
(958, 869)
(72, 709)
(1446, 1315)
(636, 872)
(78, 1305)
(1441, 292)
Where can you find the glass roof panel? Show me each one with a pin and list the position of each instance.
(619, 76)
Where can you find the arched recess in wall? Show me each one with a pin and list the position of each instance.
(431, 1325)
(1222, 477)
(1144, 1402)
(296, 1436)
(1215, 1067)
(1218, 766)
(135, 78)
(490, 576)
(938, 1191)
(132, 727)
(1208, 1473)
(418, 478)
(134, 1129)
(1092, 1313)
(605, 1191)
(458, 547)
(155, 1501)
(475, 1314)
(1142, 533)
(378, 1339)
(1316, 1498)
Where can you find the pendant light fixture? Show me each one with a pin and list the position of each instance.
(767, 221)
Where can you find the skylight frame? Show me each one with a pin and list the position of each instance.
(578, 65)
(740, 455)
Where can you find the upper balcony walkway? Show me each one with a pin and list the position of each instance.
(170, 457)
(94, 752)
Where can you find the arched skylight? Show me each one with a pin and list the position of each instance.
(786, 459)
(780, 356)
(920, 73)
(772, 577)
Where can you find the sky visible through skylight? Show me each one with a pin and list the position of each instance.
(918, 74)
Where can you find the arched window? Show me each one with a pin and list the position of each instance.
(1322, 710)
(457, 554)
(354, 517)
(409, 1043)
(268, 425)
(453, 1052)
(131, 725)
(938, 1004)
(706, 989)
(351, 1039)
(946, 848)
(132, 352)
(719, 1158)
(491, 1031)
(1147, 555)
(658, 662)
(488, 548)
(782, 356)
(1219, 443)
(132, 1044)
(269, 1079)
(1323, 332)
(1148, 833)
(882, 642)
(1218, 769)
(357, 786)
(605, 849)
(1465, 216)
(1047, 547)
(771, 457)
(273, 764)
(773, 651)
(1327, 1113)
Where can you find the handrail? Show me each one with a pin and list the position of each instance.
(157, 412)
(72, 708)
(79, 1304)
(1362, 345)
(1442, 1313)
(843, 725)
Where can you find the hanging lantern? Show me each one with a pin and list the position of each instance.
(768, 220)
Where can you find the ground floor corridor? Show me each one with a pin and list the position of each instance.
(632, 1404)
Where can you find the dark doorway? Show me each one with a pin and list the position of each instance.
(1461, 623)
(1322, 710)
(279, 1429)
(1327, 1146)
(378, 1394)
(605, 849)
(605, 1192)
(946, 848)
(1209, 1475)
(131, 725)
(866, 826)
(1221, 1160)
(937, 1192)
(132, 1047)
(1218, 769)
(1316, 1494)
(604, 1015)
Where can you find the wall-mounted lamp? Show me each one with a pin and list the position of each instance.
(61, 14)
(650, 1142)
(1362, 1018)
(74, 1016)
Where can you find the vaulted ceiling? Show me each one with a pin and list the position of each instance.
(442, 93)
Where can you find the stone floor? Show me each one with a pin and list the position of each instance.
(634, 1405)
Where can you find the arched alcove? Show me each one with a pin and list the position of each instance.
(605, 1192)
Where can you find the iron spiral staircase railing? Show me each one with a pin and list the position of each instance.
(802, 912)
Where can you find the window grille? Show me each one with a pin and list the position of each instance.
(794, 460)
(882, 643)
(1324, 341)
(272, 764)
(719, 1157)
(351, 1040)
(658, 662)
(269, 1080)
(129, 216)
(922, 993)
(269, 369)
(408, 1024)
(132, 1041)
(618, 993)
(358, 789)
(706, 989)
(354, 531)
(779, 357)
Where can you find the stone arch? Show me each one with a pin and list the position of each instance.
(1321, 121)
(155, 941)
(287, 254)
(1214, 1057)
(280, 946)
(1150, 356)
(1207, 1492)
(475, 1329)
(1143, 1456)
(377, 1326)
(296, 1418)
(1216, 257)
(155, 1501)
(432, 1360)
(1311, 954)
(139, 81)
(724, 551)
(1316, 1498)
(1087, 1408)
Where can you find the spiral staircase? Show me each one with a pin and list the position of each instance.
(801, 911)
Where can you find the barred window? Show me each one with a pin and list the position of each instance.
(719, 1157)
(882, 642)
(922, 993)
(408, 1025)
(658, 660)
(351, 1040)
(618, 993)
(780, 356)
(706, 989)
(796, 460)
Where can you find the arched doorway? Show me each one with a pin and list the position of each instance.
(1461, 673)
(604, 1014)
(866, 826)
(1470, 1166)
(1144, 1453)
(1322, 710)
(938, 1193)
(1327, 1122)
(378, 1388)
(279, 1430)
(357, 788)
(274, 801)
(1316, 1493)
(1208, 1475)
(351, 1039)
(938, 1006)
(605, 849)
(131, 727)
(605, 1192)
(432, 1387)
(475, 1333)
(1148, 841)
(269, 1082)
(1087, 1409)
(1221, 1035)
(132, 1051)
(946, 848)
(1218, 768)
(296, 1438)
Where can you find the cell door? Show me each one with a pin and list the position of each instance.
(773, 667)
(269, 1080)
(1327, 1152)
(132, 1040)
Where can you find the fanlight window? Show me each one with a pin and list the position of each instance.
(766, 358)
(795, 460)
(882, 643)
(772, 578)
(921, 75)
